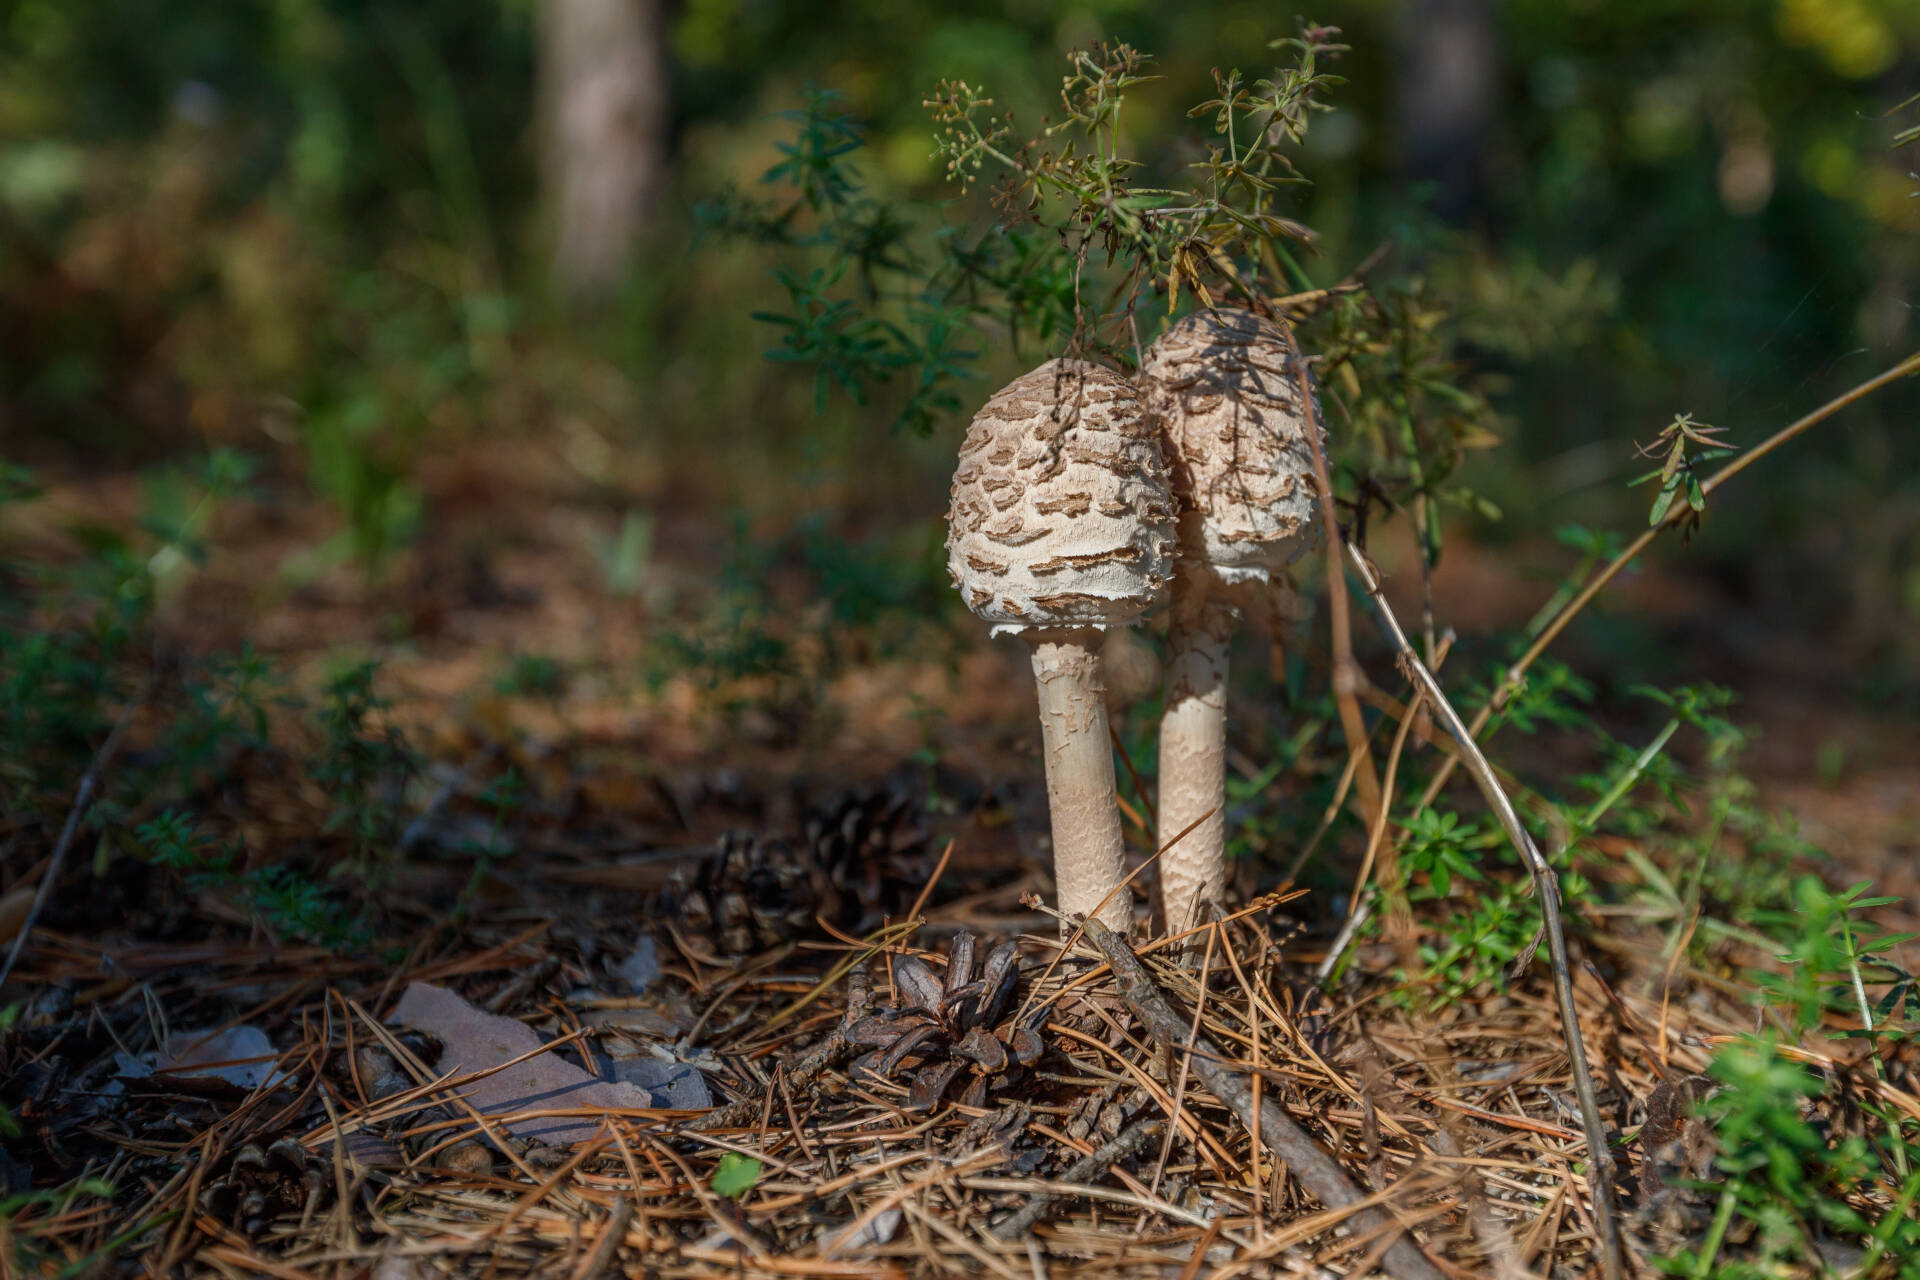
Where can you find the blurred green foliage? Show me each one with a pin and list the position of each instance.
(312, 230)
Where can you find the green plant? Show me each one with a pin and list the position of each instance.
(1677, 474)
(1789, 1179)
(363, 762)
(1439, 846)
(294, 903)
(505, 796)
(830, 324)
(735, 1175)
(1832, 955)
(283, 897)
(174, 841)
(1798, 1159)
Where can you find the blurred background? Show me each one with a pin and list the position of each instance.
(473, 479)
(400, 328)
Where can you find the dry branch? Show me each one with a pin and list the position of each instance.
(830, 1052)
(1304, 1157)
(1091, 1165)
(83, 798)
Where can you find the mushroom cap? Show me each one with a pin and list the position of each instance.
(1060, 513)
(1223, 392)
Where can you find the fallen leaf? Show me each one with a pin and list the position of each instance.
(240, 1056)
(476, 1041)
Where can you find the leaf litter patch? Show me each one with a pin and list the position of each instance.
(541, 1094)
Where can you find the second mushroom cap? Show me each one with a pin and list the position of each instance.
(1223, 390)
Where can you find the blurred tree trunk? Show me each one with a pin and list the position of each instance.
(1446, 99)
(605, 100)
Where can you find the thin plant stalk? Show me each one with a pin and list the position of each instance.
(1516, 673)
(1346, 672)
(1547, 888)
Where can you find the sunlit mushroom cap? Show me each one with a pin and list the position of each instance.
(1060, 513)
(1222, 389)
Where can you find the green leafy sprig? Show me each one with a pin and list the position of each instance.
(1678, 472)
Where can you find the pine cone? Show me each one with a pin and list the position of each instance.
(941, 1030)
(260, 1185)
(873, 850)
(861, 858)
(745, 896)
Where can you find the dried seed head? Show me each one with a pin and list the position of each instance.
(1223, 392)
(1060, 513)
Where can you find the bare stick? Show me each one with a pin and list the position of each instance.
(1086, 1168)
(82, 799)
(595, 1264)
(1547, 888)
(1270, 1125)
(830, 1052)
(1345, 670)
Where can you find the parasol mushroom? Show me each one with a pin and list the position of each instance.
(1222, 391)
(1061, 527)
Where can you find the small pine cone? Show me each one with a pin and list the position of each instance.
(869, 845)
(746, 895)
(859, 858)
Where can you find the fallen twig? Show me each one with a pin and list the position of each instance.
(82, 799)
(1270, 1125)
(831, 1051)
(595, 1264)
(1092, 1165)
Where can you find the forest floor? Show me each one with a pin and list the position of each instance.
(721, 989)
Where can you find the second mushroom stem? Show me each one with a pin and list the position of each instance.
(1089, 856)
(1193, 765)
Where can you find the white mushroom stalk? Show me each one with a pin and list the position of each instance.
(1060, 527)
(1223, 393)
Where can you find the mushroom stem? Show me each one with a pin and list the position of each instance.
(1193, 751)
(1089, 858)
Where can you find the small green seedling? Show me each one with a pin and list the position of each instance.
(735, 1175)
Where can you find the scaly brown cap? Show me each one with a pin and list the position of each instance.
(1060, 514)
(1222, 391)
